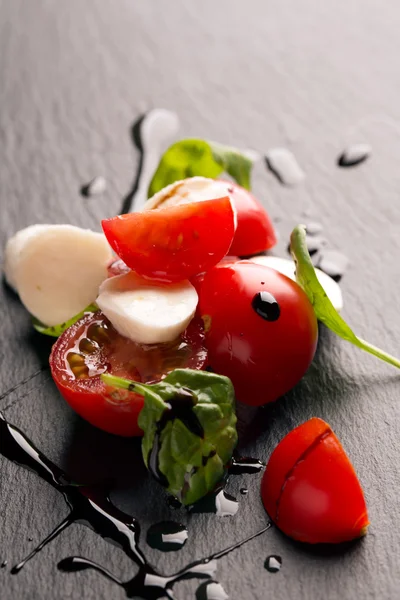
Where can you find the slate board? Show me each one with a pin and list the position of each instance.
(310, 77)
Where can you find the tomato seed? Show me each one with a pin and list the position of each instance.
(87, 346)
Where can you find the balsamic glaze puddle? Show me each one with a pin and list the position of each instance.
(273, 563)
(167, 536)
(91, 506)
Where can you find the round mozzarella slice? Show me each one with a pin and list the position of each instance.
(57, 269)
(287, 267)
(145, 311)
(14, 248)
(193, 189)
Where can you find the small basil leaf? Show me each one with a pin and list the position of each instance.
(57, 330)
(192, 157)
(189, 420)
(324, 310)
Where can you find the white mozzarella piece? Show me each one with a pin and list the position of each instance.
(57, 269)
(193, 189)
(287, 267)
(13, 251)
(145, 311)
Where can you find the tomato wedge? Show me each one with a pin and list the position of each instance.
(310, 488)
(173, 243)
(255, 232)
(92, 346)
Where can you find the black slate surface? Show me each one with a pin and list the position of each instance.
(313, 78)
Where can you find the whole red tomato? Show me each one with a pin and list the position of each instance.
(261, 330)
(310, 489)
(92, 346)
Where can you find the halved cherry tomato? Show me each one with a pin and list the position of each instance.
(92, 346)
(255, 232)
(310, 488)
(261, 330)
(174, 243)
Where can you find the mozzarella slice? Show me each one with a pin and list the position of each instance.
(145, 311)
(287, 267)
(14, 248)
(56, 269)
(193, 189)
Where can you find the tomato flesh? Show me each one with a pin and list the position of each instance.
(263, 358)
(310, 489)
(173, 243)
(92, 346)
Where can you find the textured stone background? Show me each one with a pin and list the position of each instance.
(311, 76)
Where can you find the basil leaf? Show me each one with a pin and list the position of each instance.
(192, 157)
(189, 426)
(57, 330)
(324, 310)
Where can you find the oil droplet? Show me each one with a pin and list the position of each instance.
(167, 536)
(354, 155)
(3, 564)
(30, 539)
(96, 186)
(273, 563)
(211, 590)
(244, 491)
(333, 263)
(283, 164)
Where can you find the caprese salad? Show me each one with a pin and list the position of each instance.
(161, 327)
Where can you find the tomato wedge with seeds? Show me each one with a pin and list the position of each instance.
(92, 346)
(174, 243)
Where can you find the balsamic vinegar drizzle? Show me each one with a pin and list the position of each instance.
(266, 306)
(167, 536)
(92, 506)
(151, 134)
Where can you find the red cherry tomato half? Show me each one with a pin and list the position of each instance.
(92, 346)
(173, 243)
(254, 232)
(310, 489)
(261, 330)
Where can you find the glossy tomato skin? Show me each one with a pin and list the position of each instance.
(174, 243)
(255, 232)
(310, 489)
(92, 346)
(263, 358)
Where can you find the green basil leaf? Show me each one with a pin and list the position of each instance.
(57, 330)
(192, 157)
(189, 420)
(324, 310)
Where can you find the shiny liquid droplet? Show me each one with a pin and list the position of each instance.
(273, 563)
(333, 263)
(173, 503)
(244, 491)
(266, 306)
(283, 164)
(3, 564)
(211, 590)
(167, 536)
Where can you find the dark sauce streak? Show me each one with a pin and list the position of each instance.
(91, 506)
(242, 465)
(266, 306)
(127, 201)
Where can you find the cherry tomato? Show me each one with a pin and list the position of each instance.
(173, 243)
(254, 232)
(261, 330)
(92, 346)
(310, 489)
